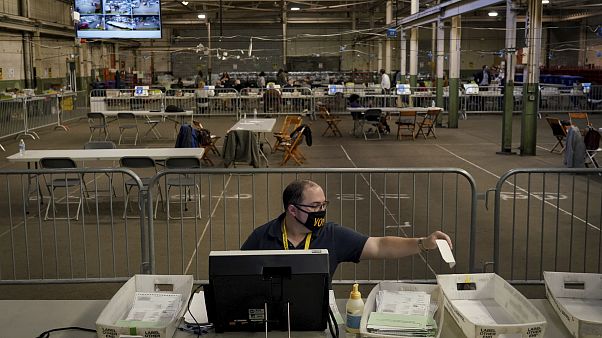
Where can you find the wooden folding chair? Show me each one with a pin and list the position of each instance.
(406, 121)
(208, 147)
(291, 123)
(580, 120)
(331, 121)
(559, 131)
(428, 123)
(291, 149)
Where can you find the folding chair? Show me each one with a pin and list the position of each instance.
(66, 182)
(290, 124)
(592, 147)
(212, 146)
(97, 122)
(559, 131)
(428, 123)
(103, 145)
(183, 182)
(291, 148)
(332, 122)
(152, 127)
(127, 121)
(406, 121)
(581, 120)
(371, 117)
(138, 162)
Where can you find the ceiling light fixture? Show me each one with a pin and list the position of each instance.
(492, 13)
(545, 2)
(295, 9)
(201, 16)
(185, 3)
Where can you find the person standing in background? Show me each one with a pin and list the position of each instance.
(261, 80)
(385, 82)
(117, 79)
(281, 78)
(199, 82)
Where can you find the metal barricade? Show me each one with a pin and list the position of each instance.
(181, 98)
(296, 100)
(40, 111)
(216, 209)
(72, 105)
(218, 101)
(125, 100)
(54, 234)
(547, 220)
(12, 117)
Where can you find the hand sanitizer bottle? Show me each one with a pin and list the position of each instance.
(354, 310)
(21, 147)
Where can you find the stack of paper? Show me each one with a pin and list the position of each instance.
(152, 309)
(403, 313)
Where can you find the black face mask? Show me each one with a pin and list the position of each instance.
(315, 219)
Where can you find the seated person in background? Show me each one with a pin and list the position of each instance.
(303, 225)
(354, 102)
(179, 84)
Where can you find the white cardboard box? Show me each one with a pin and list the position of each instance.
(577, 298)
(370, 305)
(121, 303)
(485, 305)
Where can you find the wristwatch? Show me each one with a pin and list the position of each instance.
(421, 244)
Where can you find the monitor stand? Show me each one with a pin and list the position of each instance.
(288, 318)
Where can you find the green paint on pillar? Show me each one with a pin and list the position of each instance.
(454, 103)
(440, 102)
(413, 81)
(528, 138)
(507, 117)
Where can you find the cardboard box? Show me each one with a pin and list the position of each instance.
(121, 303)
(577, 298)
(485, 305)
(370, 305)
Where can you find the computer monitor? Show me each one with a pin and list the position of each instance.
(247, 287)
(141, 91)
(587, 87)
(403, 89)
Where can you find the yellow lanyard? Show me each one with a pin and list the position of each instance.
(285, 237)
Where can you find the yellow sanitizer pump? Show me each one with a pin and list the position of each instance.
(354, 310)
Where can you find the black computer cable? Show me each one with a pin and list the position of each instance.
(332, 322)
(46, 334)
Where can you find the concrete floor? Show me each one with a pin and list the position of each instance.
(472, 147)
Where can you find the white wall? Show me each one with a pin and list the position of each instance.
(11, 56)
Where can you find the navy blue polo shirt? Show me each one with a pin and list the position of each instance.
(343, 244)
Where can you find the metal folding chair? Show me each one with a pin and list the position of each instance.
(65, 181)
(97, 122)
(127, 121)
(407, 121)
(559, 131)
(138, 162)
(183, 182)
(428, 123)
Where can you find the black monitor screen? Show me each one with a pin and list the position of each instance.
(127, 19)
(243, 284)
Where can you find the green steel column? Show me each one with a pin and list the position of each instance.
(413, 80)
(531, 86)
(506, 148)
(529, 120)
(440, 62)
(454, 102)
(507, 118)
(455, 38)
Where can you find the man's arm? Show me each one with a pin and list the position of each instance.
(397, 247)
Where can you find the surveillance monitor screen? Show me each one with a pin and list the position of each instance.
(127, 19)
(587, 87)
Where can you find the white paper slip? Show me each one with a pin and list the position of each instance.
(446, 252)
(198, 309)
(333, 306)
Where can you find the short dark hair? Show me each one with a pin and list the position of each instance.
(293, 193)
(382, 71)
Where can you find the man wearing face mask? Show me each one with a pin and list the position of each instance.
(303, 226)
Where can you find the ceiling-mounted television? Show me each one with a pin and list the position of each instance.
(121, 19)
